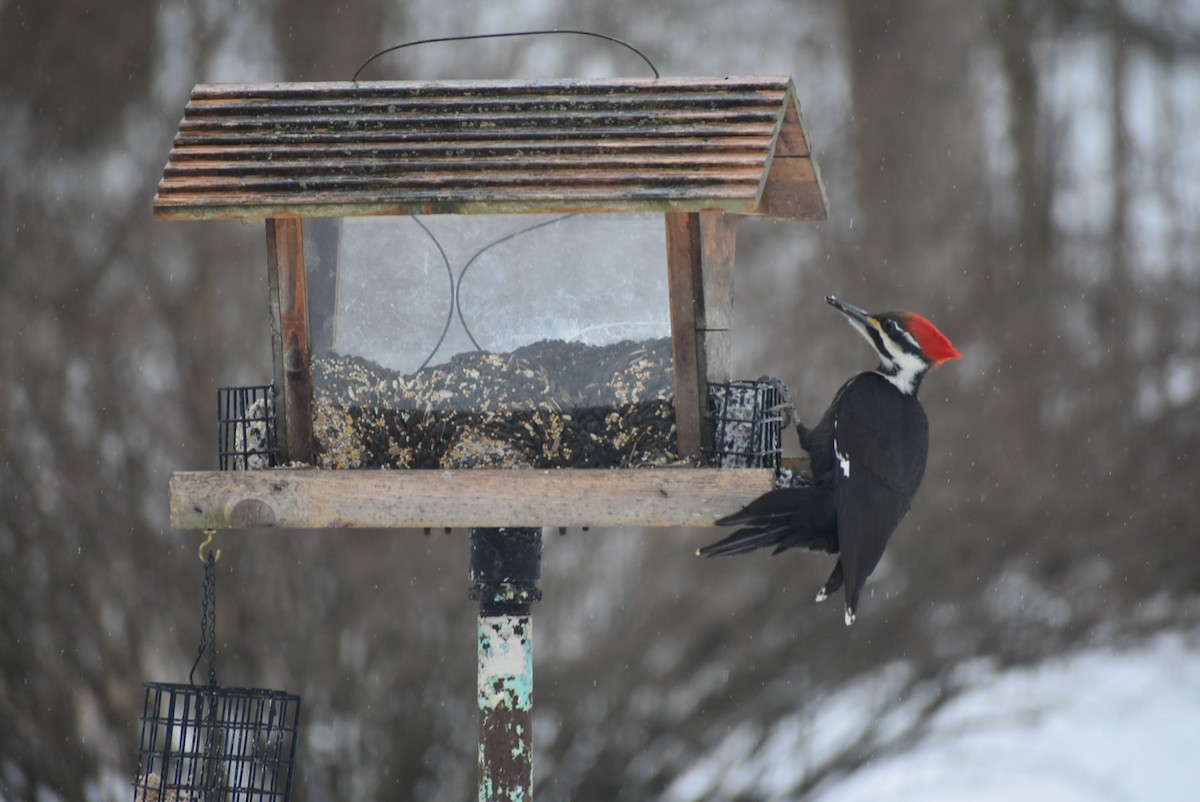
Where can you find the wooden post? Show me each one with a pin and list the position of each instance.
(700, 253)
(289, 333)
(686, 287)
(718, 239)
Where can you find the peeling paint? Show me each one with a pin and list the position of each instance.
(505, 707)
(505, 662)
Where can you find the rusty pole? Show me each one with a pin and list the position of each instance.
(505, 567)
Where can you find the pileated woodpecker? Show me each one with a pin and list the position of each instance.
(867, 458)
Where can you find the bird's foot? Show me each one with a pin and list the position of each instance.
(783, 477)
(788, 416)
(784, 408)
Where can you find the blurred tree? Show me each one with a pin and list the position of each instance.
(49, 49)
(1023, 173)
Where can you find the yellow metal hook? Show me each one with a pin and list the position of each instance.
(208, 538)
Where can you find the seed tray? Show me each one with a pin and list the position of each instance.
(552, 404)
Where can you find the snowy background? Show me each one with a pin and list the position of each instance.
(1024, 173)
(1101, 724)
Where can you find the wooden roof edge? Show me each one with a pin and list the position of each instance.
(792, 185)
(792, 191)
(251, 211)
(204, 90)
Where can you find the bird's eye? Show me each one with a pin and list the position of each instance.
(899, 334)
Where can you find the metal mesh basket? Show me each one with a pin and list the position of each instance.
(246, 438)
(745, 424)
(212, 743)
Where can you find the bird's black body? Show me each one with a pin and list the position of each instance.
(867, 459)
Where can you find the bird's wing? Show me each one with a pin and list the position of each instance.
(875, 476)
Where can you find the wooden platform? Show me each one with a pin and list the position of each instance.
(309, 498)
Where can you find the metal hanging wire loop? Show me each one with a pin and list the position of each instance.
(450, 273)
(458, 284)
(505, 35)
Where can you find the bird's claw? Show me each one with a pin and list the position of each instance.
(785, 408)
(787, 412)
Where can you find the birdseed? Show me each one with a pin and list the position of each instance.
(551, 404)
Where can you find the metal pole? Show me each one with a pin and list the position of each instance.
(505, 567)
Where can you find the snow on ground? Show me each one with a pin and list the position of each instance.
(1099, 726)
(1106, 725)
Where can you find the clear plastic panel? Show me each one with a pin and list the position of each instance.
(461, 341)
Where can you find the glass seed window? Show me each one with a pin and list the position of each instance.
(454, 341)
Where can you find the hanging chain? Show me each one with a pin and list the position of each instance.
(208, 622)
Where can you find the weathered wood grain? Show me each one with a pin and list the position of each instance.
(285, 266)
(308, 498)
(686, 286)
(420, 147)
(793, 190)
(718, 240)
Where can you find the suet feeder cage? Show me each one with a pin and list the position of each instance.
(246, 438)
(475, 275)
(747, 420)
(209, 742)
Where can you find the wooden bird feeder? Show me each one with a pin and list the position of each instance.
(448, 304)
(445, 294)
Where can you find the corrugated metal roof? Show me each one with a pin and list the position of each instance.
(336, 149)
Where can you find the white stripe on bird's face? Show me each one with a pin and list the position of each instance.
(900, 363)
(903, 371)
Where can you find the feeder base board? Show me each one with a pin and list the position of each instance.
(479, 497)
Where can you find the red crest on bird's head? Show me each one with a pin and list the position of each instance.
(935, 345)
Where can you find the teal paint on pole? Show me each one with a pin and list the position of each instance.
(505, 661)
(505, 708)
(505, 567)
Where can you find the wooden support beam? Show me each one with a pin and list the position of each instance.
(481, 497)
(686, 286)
(700, 255)
(290, 337)
(718, 240)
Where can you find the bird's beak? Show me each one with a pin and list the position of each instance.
(860, 316)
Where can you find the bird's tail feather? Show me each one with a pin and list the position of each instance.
(745, 540)
(787, 518)
(777, 505)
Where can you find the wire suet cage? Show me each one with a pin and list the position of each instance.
(246, 431)
(207, 743)
(214, 743)
(746, 420)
